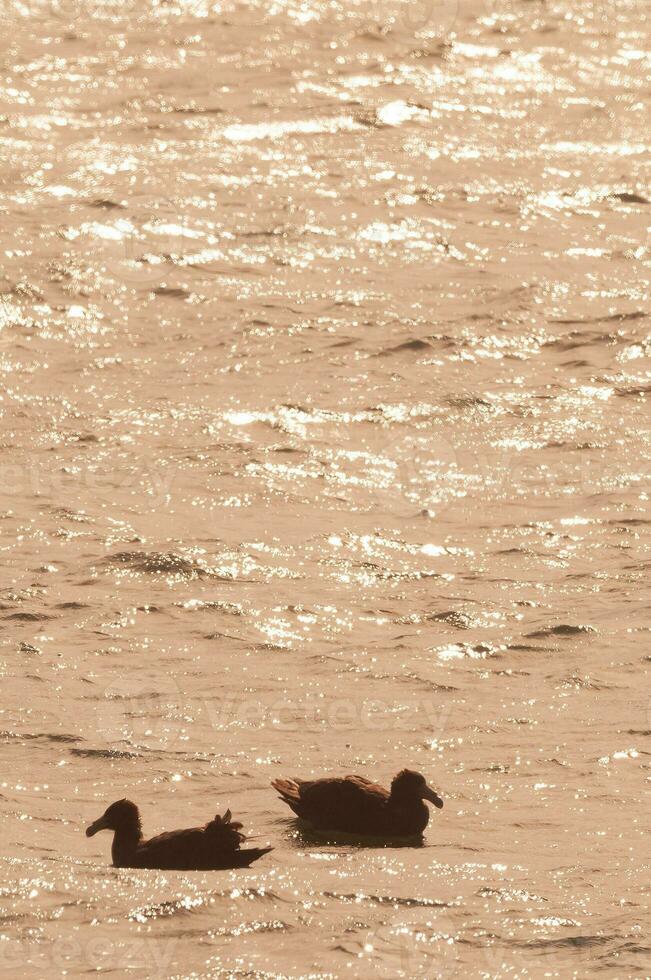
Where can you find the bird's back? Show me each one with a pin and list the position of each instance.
(212, 847)
(351, 803)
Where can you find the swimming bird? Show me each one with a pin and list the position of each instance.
(355, 805)
(215, 846)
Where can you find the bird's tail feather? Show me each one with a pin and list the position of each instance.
(226, 831)
(251, 854)
(289, 789)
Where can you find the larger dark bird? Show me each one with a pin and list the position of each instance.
(355, 805)
(216, 846)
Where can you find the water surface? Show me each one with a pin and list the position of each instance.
(325, 447)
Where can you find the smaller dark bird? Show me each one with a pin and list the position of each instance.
(354, 805)
(214, 847)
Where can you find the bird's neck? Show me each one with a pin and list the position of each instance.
(410, 811)
(404, 801)
(125, 843)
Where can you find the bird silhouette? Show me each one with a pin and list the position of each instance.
(355, 805)
(213, 847)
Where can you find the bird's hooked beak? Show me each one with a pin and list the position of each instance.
(429, 794)
(96, 826)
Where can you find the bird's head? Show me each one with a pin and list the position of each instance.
(409, 785)
(122, 815)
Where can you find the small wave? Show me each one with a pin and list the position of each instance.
(563, 629)
(24, 290)
(172, 292)
(104, 754)
(585, 683)
(637, 390)
(591, 337)
(188, 904)
(29, 617)
(409, 345)
(104, 204)
(252, 894)
(244, 133)
(64, 513)
(195, 605)
(160, 563)
(357, 897)
(627, 197)
(198, 110)
(511, 894)
(222, 636)
(183, 906)
(580, 338)
(40, 736)
(28, 648)
(278, 231)
(576, 942)
(452, 617)
(524, 648)
(274, 925)
(466, 401)
(623, 317)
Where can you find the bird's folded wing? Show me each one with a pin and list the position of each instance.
(368, 787)
(177, 848)
(332, 797)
